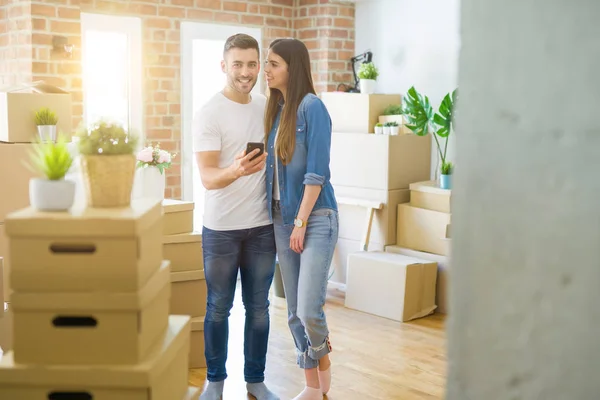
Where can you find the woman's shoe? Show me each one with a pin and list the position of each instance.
(310, 394)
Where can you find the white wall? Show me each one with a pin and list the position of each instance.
(525, 320)
(414, 43)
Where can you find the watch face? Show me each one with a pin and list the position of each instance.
(298, 223)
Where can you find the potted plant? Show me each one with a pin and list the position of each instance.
(378, 128)
(394, 127)
(108, 164)
(386, 128)
(46, 121)
(52, 192)
(393, 112)
(367, 73)
(152, 162)
(422, 120)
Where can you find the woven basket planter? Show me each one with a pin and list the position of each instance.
(108, 179)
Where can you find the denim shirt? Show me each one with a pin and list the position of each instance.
(309, 164)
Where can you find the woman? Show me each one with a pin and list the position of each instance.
(302, 204)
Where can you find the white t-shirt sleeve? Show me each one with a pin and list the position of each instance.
(207, 136)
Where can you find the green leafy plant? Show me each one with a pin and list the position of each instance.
(45, 116)
(422, 120)
(392, 123)
(368, 71)
(51, 159)
(447, 168)
(393, 109)
(379, 124)
(106, 138)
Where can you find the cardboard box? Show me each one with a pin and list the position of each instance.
(430, 196)
(197, 358)
(90, 328)
(188, 293)
(1, 281)
(343, 248)
(18, 106)
(391, 285)
(357, 112)
(379, 162)
(14, 177)
(162, 375)
(85, 249)
(178, 216)
(422, 230)
(443, 263)
(184, 251)
(353, 218)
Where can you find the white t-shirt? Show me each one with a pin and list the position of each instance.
(227, 126)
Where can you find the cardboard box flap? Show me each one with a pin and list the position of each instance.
(36, 87)
(172, 205)
(183, 238)
(182, 276)
(141, 375)
(421, 292)
(85, 222)
(429, 187)
(98, 301)
(197, 324)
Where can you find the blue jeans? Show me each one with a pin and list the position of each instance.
(252, 251)
(305, 281)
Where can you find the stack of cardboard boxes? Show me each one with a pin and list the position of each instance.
(424, 231)
(18, 106)
(91, 308)
(183, 248)
(377, 169)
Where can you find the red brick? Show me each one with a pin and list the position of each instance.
(69, 13)
(173, 12)
(288, 3)
(227, 17)
(200, 15)
(253, 20)
(158, 23)
(343, 23)
(279, 22)
(235, 6)
(212, 4)
(42, 10)
(38, 24)
(65, 27)
(184, 3)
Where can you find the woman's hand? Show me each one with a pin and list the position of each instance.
(297, 239)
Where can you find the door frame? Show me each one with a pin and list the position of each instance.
(191, 31)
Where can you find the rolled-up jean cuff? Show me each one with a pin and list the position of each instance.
(305, 362)
(310, 358)
(313, 179)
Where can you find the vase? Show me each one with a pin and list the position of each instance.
(445, 181)
(152, 182)
(367, 86)
(51, 195)
(47, 133)
(108, 179)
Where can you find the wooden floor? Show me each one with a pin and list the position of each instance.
(373, 358)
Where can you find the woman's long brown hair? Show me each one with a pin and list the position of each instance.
(300, 83)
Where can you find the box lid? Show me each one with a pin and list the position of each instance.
(183, 238)
(35, 87)
(197, 324)
(95, 301)
(393, 258)
(429, 187)
(85, 221)
(172, 205)
(136, 376)
(182, 276)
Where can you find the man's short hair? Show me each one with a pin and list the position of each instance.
(240, 41)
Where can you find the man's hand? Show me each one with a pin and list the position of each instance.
(242, 166)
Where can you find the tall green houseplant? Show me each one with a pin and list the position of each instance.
(422, 120)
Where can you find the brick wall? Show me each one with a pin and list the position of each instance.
(327, 26)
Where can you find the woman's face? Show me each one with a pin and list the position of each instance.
(276, 72)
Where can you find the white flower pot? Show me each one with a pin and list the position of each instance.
(379, 130)
(367, 86)
(386, 130)
(47, 132)
(47, 195)
(152, 183)
(394, 130)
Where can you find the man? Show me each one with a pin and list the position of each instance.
(237, 232)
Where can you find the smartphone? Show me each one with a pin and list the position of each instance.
(255, 145)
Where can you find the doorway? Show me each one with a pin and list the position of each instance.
(201, 77)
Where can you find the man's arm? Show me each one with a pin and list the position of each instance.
(214, 177)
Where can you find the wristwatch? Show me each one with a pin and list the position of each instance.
(299, 223)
